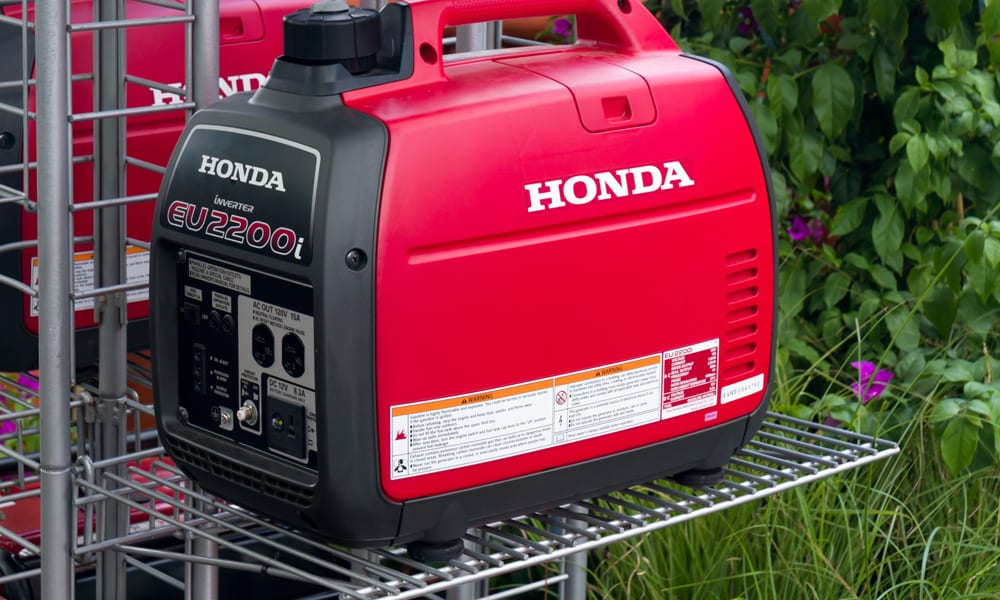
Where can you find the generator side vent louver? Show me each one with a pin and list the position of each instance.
(742, 296)
(252, 479)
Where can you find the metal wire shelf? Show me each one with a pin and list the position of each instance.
(786, 453)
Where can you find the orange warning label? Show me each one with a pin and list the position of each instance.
(137, 271)
(470, 429)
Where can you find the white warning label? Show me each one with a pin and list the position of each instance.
(465, 430)
(136, 271)
(220, 276)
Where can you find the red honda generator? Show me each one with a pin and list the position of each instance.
(249, 40)
(396, 295)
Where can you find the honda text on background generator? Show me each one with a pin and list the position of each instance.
(397, 295)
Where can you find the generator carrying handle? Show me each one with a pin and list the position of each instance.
(623, 26)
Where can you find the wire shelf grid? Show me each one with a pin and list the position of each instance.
(786, 453)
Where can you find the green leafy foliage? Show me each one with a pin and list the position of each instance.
(881, 124)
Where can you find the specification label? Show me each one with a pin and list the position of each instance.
(690, 378)
(448, 433)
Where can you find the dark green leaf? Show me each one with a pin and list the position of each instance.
(766, 13)
(853, 42)
(821, 9)
(944, 13)
(738, 44)
(835, 288)
(991, 251)
(958, 443)
(791, 291)
(885, 74)
(907, 105)
(957, 371)
(748, 81)
(887, 233)
(941, 308)
(848, 217)
(780, 185)
(990, 22)
(982, 391)
(766, 124)
(904, 329)
(910, 365)
(782, 93)
(806, 152)
(975, 315)
(956, 59)
(917, 153)
(980, 408)
(899, 141)
(801, 349)
(678, 7)
(791, 57)
(975, 245)
(920, 74)
(883, 12)
(983, 279)
(883, 277)
(833, 98)
(858, 261)
(941, 183)
(711, 13)
(944, 410)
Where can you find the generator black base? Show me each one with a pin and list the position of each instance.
(287, 500)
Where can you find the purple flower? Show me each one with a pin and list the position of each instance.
(816, 231)
(562, 27)
(871, 380)
(747, 25)
(799, 230)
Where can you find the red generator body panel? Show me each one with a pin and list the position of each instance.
(391, 304)
(249, 40)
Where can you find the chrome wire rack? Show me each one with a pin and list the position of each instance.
(785, 453)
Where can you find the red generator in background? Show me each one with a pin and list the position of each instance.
(250, 38)
(396, 295)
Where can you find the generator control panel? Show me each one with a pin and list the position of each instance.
(250, 343)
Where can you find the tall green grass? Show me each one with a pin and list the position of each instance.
(902, 528)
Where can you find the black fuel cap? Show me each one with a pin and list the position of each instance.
(333, 32)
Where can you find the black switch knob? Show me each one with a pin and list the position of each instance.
(333, 32)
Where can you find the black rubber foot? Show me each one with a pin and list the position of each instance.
(699, 477)
(435, 551)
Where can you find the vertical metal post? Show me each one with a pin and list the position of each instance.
(478, 37)
(204, 579)
(203, 88)
(204, 85)
(471, 590)
(55, 314)
(575, 586)
(110, 269)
